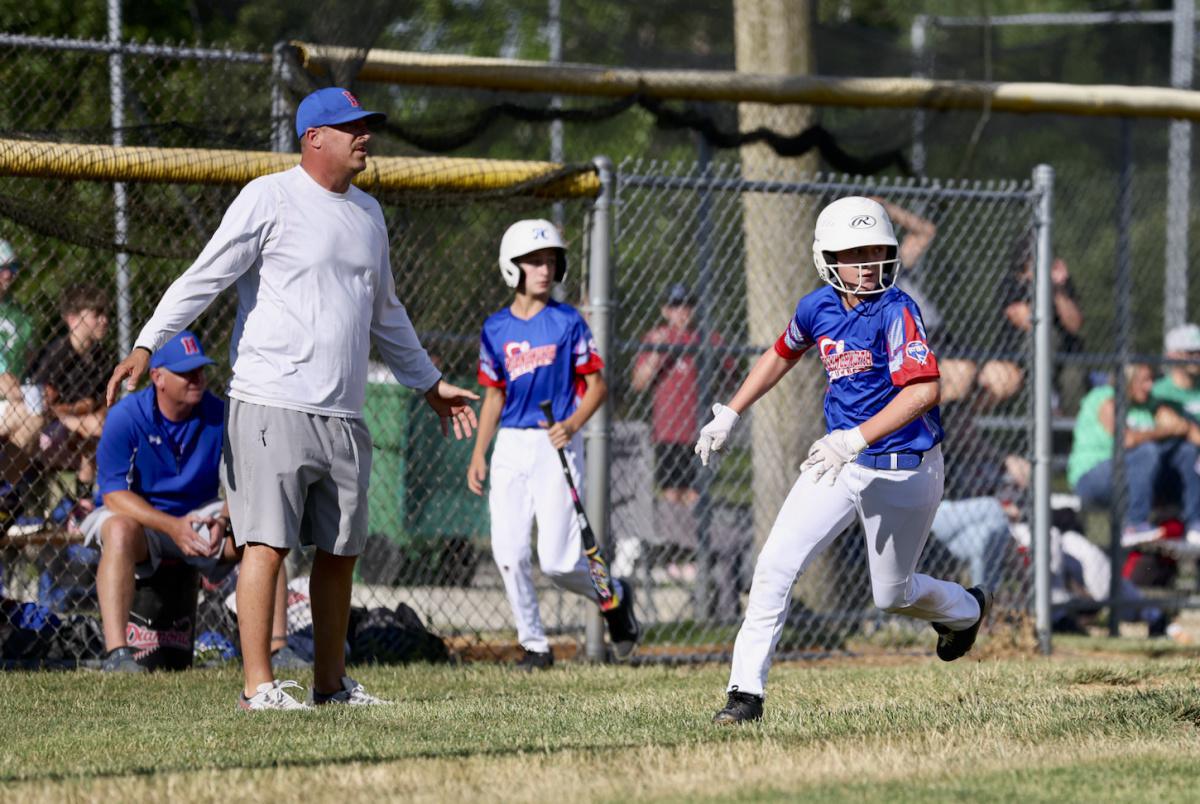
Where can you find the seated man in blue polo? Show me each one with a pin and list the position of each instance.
(158, 466)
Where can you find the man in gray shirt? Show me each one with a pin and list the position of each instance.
(309, 255)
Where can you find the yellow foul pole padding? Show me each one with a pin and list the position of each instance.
(401, 67)
(201, 166)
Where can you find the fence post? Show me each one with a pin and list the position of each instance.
(116, 91)
(596, 434)
(1179, 160)
(1122, 325)
(921, 68)
(281, 128)
(1043, 363)
(704, 598)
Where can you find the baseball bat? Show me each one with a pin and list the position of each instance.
(597, 567)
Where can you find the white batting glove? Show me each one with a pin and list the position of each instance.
(714, 434)
(828, 455)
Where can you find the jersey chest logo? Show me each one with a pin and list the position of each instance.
(521, 359)
(840, 363)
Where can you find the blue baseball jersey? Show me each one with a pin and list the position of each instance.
(869, 353)
(535, 360)
(174, 466)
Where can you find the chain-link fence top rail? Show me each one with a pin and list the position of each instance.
(429, 536)
(688, 237)
(222, 97)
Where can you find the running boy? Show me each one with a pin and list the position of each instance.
(881, 459)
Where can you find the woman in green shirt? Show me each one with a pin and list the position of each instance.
(1159, 460)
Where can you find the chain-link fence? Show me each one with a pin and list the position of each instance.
(687, 240)
(428, 543)
(710, 261)
(1123, 527)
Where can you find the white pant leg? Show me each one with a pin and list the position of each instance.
(560, 542)
(510, 504)
(897, 509)
(811, 517)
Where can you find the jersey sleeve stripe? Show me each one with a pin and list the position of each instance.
(784, 348)
(487, 380)
(588, 364)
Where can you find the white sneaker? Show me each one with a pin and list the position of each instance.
(1136, 535)
(351, 693)
(271, 695)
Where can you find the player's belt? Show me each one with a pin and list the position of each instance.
(891, 460)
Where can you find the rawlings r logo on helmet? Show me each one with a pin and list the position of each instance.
(862, 222)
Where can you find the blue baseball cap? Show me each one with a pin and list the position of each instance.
(181, 354)
(678, 295)
(330, 106)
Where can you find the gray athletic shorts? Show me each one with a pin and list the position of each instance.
(160, 545)
(295, 478)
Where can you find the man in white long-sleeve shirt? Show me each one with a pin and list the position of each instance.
(308, 253)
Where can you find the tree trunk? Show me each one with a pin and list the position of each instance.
(774, 37)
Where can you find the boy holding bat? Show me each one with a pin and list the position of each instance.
(534, 350)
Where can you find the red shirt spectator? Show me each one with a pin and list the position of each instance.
(675, 378)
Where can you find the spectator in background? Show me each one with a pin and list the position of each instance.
(73, 372)
(1080, 571)
(1159, 458)
(671, 368)
(958, 374)
(1178, 387)
(1004, 378)
(19, 404)
(159, 459)
(674, 376)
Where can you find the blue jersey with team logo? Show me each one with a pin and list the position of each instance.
(533, 360)
(869, 353)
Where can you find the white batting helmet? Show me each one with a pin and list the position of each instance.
(526, 237)
(850, 223)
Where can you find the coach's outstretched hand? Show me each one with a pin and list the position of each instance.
(452, 405)
(132, 367)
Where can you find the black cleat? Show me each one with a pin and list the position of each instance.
(624, 631)
(741, 707)
(533, 660)
(953, 645)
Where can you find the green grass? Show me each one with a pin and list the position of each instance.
(1082, 728)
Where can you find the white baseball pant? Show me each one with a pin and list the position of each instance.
(526, 483)
(896, 508)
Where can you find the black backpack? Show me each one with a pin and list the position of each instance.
(394, 636)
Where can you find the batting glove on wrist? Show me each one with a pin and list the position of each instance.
(828, 455)
(714, 434)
